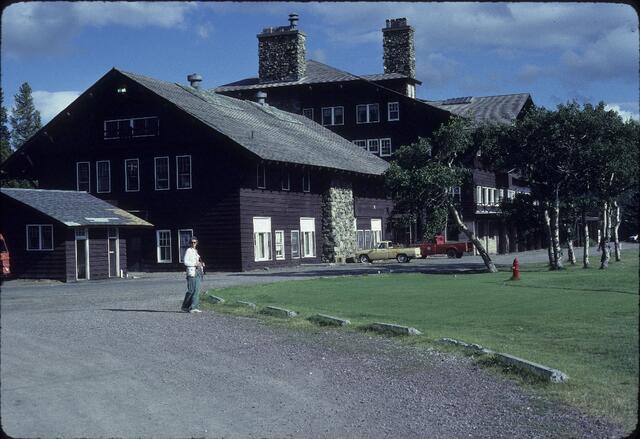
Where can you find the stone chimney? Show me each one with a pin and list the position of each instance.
(399, 51)
(281, 52)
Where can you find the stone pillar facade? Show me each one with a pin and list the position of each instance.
(399, 52)
(338, 234)
(281, 54)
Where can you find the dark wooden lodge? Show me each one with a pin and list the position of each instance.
(257, 185)
(65, 235)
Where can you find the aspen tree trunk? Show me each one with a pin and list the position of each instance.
(585, 253)
(547, 224)
(615, 213)
(570, 252)
(604, 244)
(555, 228)
(472, 237)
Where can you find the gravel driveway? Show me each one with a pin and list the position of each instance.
(113, 358)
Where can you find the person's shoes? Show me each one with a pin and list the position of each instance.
(195, 310)
(184, 309)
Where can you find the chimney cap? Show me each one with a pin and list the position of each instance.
(194, 79)
(293, 19)
(261, 97)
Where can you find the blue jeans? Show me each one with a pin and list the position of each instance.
(192, 297)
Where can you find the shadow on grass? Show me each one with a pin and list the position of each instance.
(372, 269)
(593, 290)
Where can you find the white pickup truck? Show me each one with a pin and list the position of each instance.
(388, 250)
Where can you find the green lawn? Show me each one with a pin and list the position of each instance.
(583, 322)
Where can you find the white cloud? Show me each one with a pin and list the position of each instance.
(626, 115)
(203, 30)
(33, 28)
(49, 104)
(436, 69)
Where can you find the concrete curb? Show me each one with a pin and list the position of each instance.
(246, 304)
(393, 328)
(553, 375)
(472, 346)
(214, 299)
(278, 312)
(324, 319)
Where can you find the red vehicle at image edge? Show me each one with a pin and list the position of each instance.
(438, 246)
(4, 257)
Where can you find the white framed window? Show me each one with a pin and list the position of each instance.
(376, 232)
(295, 244)
(132, 175)
(308, 230)
(163, 246)
(385, 147)
(374, 146)
(411, 90)
(308, 112)
(39, 237)
(285, 180)
(491, 193)
(478, 195)
(454, 191)
(279, 244)
(511, 194)
(161, 173)
(184, 242)
(361, 143)
(131, 127)
(367, 239)
(262, 238)
(393, 111)
(360, 239)
(183, 172)
(306, 181)
(332, 116)
(485, 196)
(103, 176)
(83, 176)
(261, 176)
(367, 113)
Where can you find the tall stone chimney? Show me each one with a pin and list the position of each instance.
(281, 52)
(399, 51)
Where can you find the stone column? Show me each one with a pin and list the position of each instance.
(338, 234)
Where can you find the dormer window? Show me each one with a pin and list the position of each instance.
(133, 127)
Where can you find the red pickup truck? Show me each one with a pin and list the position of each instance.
(4, 257)
(438, 246)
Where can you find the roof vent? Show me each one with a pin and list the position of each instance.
(261, 98)
(293, 20)
(195, 80)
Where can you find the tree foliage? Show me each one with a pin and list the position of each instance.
(25, 119)
(5, 135)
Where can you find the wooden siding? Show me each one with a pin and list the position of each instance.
(367, 209)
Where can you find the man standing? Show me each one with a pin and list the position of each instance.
(195, 270)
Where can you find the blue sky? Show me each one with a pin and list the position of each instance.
(556, 51)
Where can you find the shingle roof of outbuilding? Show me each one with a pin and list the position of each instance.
(74, 208)
(269, 133)
(502, 109)
(316, 73)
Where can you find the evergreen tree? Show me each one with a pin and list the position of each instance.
(25, 119)
(5, 135)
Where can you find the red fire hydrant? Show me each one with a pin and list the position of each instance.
(515, 270)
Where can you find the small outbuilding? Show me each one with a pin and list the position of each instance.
(65, 235)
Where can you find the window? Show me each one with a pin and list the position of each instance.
(285, 181)
(39, 237)
(161, 173)
(308, 112)
(103, 176)
(308, 230)
(360, 239)
(454, 191)
(385, 147)
(361, 143)
(478, 199)
(261, 176)
(184, 241)
(163, 245)
(367, 113)
(367, 239)
(279, 244)
(262, 238)
(183, 172)
(511, 194)
(131, 175)
(411, 90)
(306, 181)
(374, 146)
(393, 111)
(132, 127)
(485, 195)
(490, 193)
(83, 176)
(295, 244)
(376, 232)
(333, 116)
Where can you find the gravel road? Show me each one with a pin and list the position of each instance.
(114, 359)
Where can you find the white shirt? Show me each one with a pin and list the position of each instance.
(191, 259)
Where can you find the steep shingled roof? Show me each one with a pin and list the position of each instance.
(266, 131)
(502, 109)
(74, 208)
(316, 73)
